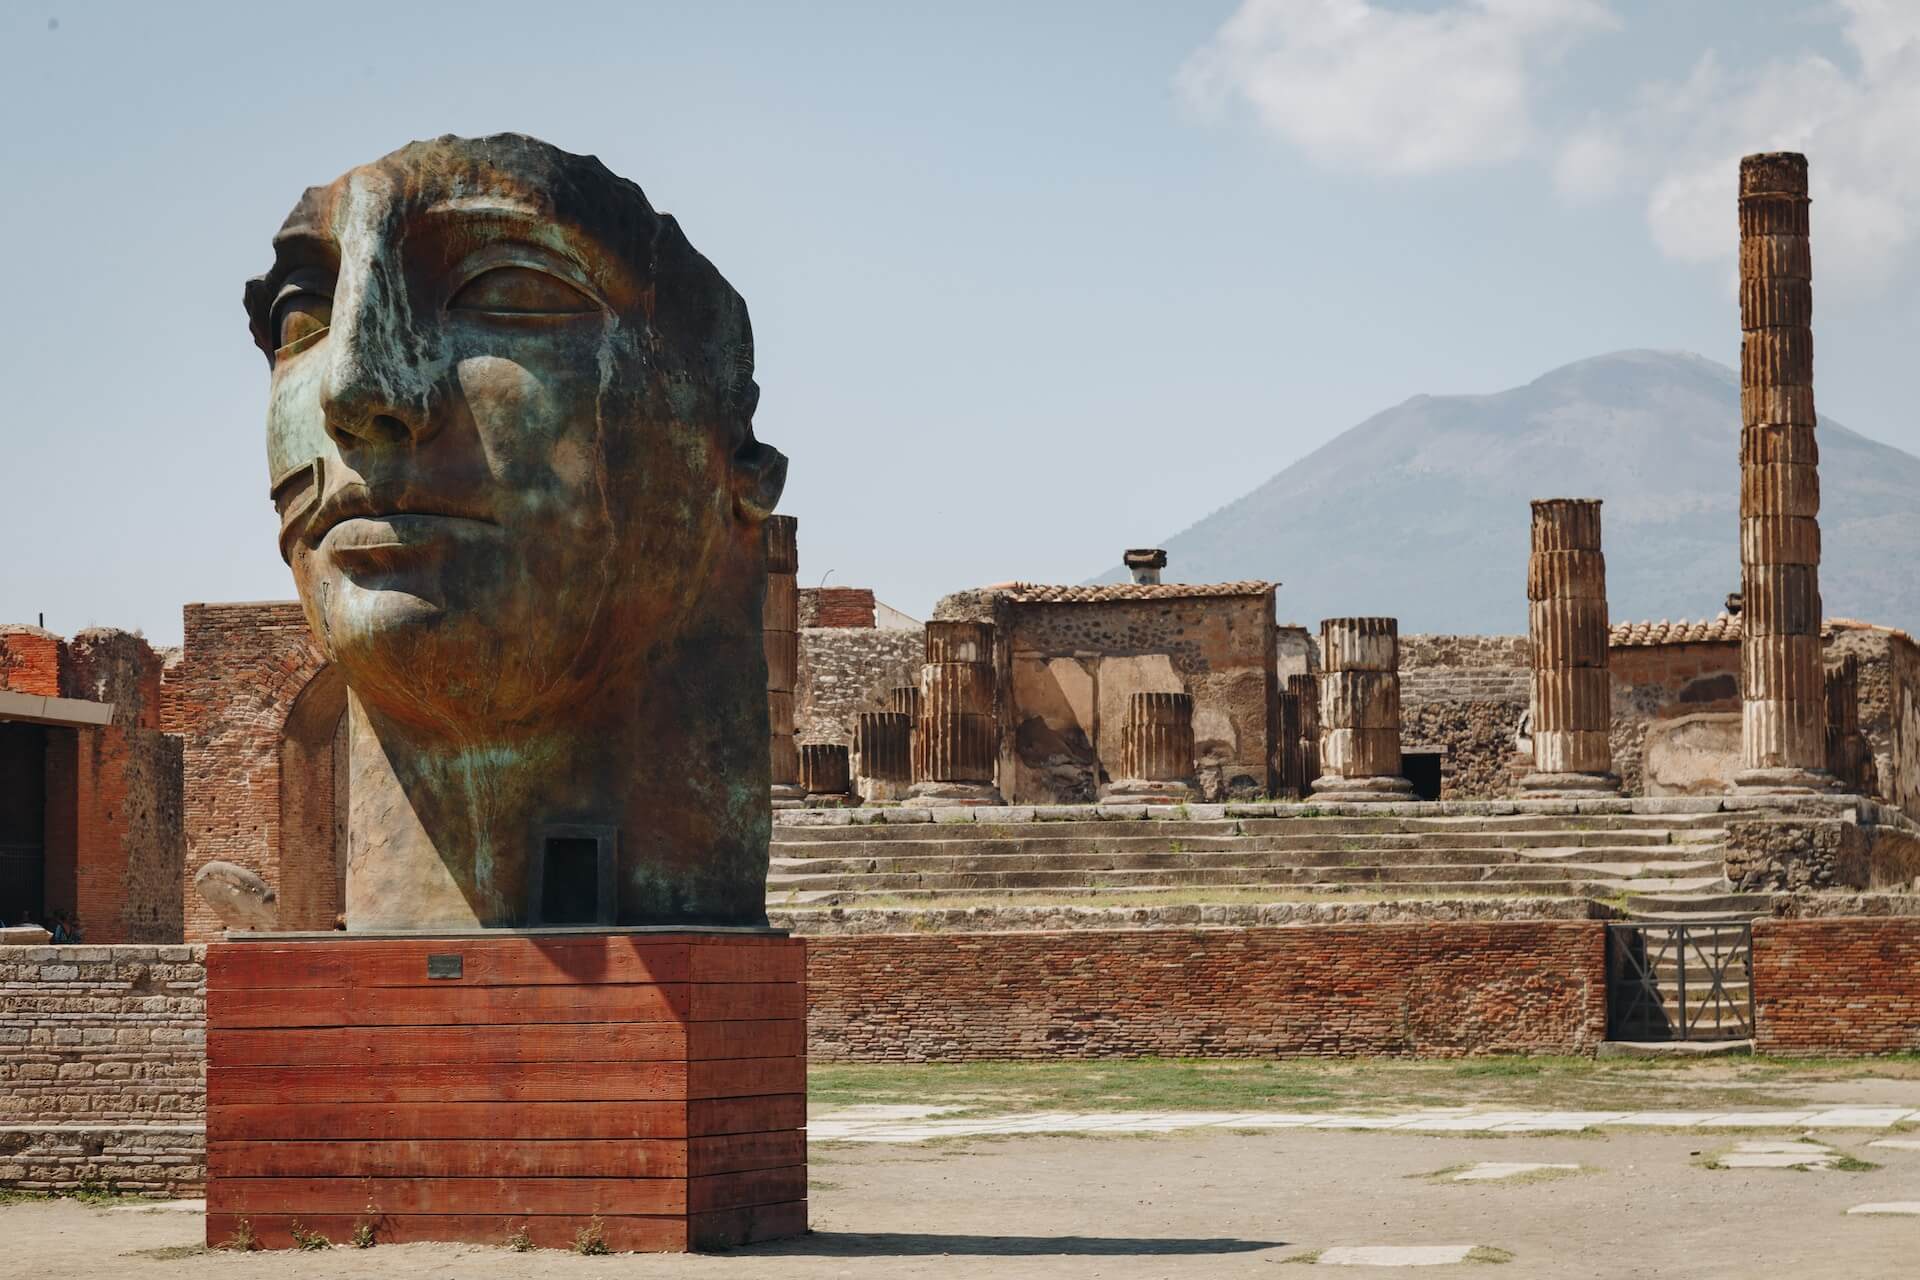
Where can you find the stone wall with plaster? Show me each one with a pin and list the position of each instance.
(847, 670)
(1464, 698)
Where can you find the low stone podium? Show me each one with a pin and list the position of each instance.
(645, 1084)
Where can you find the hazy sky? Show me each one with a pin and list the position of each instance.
(1030, 282)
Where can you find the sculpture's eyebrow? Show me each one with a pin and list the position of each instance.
(298, 246)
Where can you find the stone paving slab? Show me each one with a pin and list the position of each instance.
(864, 1125)
(1394, 1255)
(1494, 1170)
(1897, 1144)
(1902, 1208)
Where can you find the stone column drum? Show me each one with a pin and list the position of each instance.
(1782, 686)
(1567, 622)
(883, 755)
(782, 626)
(825, 773)
(1156, 749)
(906, 700)
(1360, 711)
(1305, 692)
(956, 724)
(1849, 755)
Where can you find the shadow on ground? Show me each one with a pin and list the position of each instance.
(913, 1244)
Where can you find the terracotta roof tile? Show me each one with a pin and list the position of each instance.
(1040, 593)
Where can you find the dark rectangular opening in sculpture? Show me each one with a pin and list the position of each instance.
(574, 876)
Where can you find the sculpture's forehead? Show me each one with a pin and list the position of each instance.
(451, 176)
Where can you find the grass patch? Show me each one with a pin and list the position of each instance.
(1310, 1256)
(1360, 1084)
(168, 1252)
(1852, 1164)
(1489, 1253)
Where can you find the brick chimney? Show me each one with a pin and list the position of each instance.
(1145, 563)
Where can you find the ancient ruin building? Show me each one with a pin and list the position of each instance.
(1783, 735)
(782, 623)
(1360, 711)
(90, 787)
(1567, 622)
(957, 718)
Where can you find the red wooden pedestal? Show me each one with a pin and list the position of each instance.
(654, 1081)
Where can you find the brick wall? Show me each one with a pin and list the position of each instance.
(229, 697)
(847, 670)
(1327, 990)
(102, 1068)
(1841, 986)
(29, 661)
(836, 607)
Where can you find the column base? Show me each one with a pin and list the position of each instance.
(1786, 782)
(1139, 791)
(1363, 790)
(831, 800)
(882, 790)
(1569, 786)
(419, 1088)
(943, 795)
(789, 795)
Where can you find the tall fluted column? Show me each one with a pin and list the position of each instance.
(1305, 692)
(907, 700)
(1782, 686)
(956, 723)
(1156, 749)
(1360, 711)
(1567, 621)
(781, 621)
(883, 754)
(824, 772)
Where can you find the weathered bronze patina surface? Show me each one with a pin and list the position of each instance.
(511, 442)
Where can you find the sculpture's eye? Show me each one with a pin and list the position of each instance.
(299, 318)
(521, 291)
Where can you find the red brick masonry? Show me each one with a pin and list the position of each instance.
(1841, 986)
(653, 1081)
(1443, 989)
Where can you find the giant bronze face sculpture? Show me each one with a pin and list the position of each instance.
(511, 443)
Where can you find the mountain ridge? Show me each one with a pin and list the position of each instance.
(1420, 511)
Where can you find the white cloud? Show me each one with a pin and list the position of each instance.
(1857, 126)
(1361, 86)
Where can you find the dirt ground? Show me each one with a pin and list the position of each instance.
(1199, 1203)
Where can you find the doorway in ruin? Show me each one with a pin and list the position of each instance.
(1422, 769)
(23, 823)
(311, 877)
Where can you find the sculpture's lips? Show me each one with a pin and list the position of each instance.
(390, 540)
(356, 503)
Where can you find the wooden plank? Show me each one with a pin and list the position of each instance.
(362, 963)
(749, 1187)
(488, 1157)
(755, 1038)
(452, 1005)
(498, 1121)
(746, 1077)
(481, 1082)
(736, 1152)
(409, 1046)
(727, 1228)
(708, 1117)
(370, 1196)
(623, 1233)
(776, 960)
(746, 1001)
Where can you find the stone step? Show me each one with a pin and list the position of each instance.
(1688, 908)
(1616, 863)
(1120, 894)
(974, 881)
(1548, 843)
(815, 828)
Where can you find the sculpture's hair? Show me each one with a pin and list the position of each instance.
(699, 331)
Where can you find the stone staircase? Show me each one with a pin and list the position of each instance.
(1657, 865)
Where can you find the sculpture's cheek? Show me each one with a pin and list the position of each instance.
(296, 426)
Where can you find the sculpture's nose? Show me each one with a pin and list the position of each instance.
(374, 394)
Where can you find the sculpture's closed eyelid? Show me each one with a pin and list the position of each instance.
(522, 280)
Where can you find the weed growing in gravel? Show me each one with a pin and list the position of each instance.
(242, 1239)
(591, 1240)
(520, 1241)
(307, 1240)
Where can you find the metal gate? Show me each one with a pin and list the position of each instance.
(1690, 981)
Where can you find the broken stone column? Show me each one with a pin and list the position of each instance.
(907, 701)
(1782, 686)
(824, 772)
(780, 620)
(883, 755)
(1849, 754)
(1567, 622)
(1360, 711)
(1304, 690)
(1156, 750)
(956, 723)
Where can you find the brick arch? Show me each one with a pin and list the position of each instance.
(311, 859)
